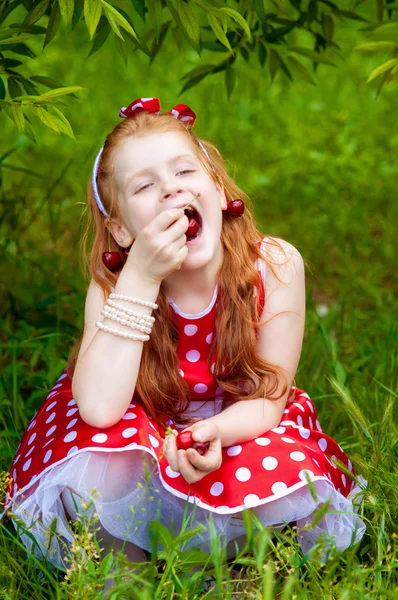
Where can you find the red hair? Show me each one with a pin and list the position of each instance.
(159, 383)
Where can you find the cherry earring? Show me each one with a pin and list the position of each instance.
(235, 208)
(111, 259)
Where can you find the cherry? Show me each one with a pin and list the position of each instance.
(185, 440)
(193, 227)
(111, 260)
(236, 208)
(125, 252)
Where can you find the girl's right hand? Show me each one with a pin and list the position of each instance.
(160, 248)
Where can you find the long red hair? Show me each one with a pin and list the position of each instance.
(159, 384)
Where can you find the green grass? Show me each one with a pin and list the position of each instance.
(321, 166)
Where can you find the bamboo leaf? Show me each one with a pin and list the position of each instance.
(139, 6)
(155, 15)
(18, 116)
(47, 119)
(2, 89)
(375, 46)
(113, 24)
(66, 8)
(230, 80)
(321, 58)
(189, 21)
(300, 69)
(53, 24)
(37, 12)
(118, 18)
(67, 126)
(218, 30)
(390, 64)
(239, 19)
(92, 15)
(62, 92)
(101, 35)
(274, 63)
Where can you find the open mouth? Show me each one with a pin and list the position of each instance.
(195, 225)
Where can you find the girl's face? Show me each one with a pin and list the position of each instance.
(158, 172)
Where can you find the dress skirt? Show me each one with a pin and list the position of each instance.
(284, 476)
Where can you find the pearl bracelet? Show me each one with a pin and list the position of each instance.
(130, 336)
(135, 300)
(126, 321)
(120, 313)
(131, 312)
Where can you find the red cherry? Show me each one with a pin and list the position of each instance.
(193, 228)
(125, 252)
(111, 260)
(200, 447)
(185, 440)
(236, 208)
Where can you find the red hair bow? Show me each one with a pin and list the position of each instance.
(152, 105)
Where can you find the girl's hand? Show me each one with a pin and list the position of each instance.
(192, 466)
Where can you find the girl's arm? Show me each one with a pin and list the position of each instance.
(279, 342)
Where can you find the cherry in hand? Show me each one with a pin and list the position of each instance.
(185, 440)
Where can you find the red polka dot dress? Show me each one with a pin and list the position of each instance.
(125, 474)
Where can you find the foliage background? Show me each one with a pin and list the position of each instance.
(321, 166)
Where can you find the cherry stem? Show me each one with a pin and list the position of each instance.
(190, 202)
(109, 239)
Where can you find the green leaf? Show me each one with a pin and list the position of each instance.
(262, 53)
(14, 89)
(122, 49)
(157, 44)
(92, 15)
(155, 15)
(62, 92)
(53, 24)
(259, 9)
(113, 24)
(47, 119)
(274, 63)
(28, 131)
(18, 116)
(390, 64)
(328, 27)
(189, 21)
(230, 80)
(2, 89)
(118, 18)
(139, 6)
(101, 35)
(66, 125)
(321, 58)
(37, 12)
(46, 81)
(300, 69)
(67, 8)
(349, 14)
(11, 41)
(199, 70)
(239, 19)
(218, 30)
(192, 82)
(375, 46)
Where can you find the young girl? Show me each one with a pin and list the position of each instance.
(190, 324)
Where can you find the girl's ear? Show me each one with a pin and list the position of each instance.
(122, 237)
(221, 192)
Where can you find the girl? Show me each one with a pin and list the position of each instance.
(190, 324)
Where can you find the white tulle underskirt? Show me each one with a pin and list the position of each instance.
(123, 488)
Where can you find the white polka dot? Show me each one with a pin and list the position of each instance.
(190, 329)
(288, 440)
(58, 385)
(297, 456)
(269, 463)
(71, 412)
(50, 406)
(192, 355)
(200, 388)
(243, 474)
(182, 373)
(73, 422)
(209, 338)
(172, 474)
(51, 430)
(47, 456)
(288, 423)
(279, 487)
(27, 465)
(152, 425)
(154, 441)
(305, 474)
(217, 488)
(349, 465)
(305, 433)
(234, 450)
(332, 460)
(286, 411)
(343, 479)
(129, 416)
(15, 488)
(311, 422)
(62, 377)
(310, 405)
(300, 420)
(99, 438)
(49, 442)
(251, 500)
(17, 459)
(316, 462)
(322, 443)
(279, 430)
(70, 436)
(131, 405)
(262, 441)
(318, 425)
(299, 406)
(71, 402)
(14, 474)
(32, 424)
(72, 450)
(129, 432)
(212, 367)
(30, 452)
(32, 437)
(51, 417)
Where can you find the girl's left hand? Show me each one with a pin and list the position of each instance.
(192, 466)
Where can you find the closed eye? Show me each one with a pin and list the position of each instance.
(184, 171)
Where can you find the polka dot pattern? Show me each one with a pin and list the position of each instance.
(271, 465)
